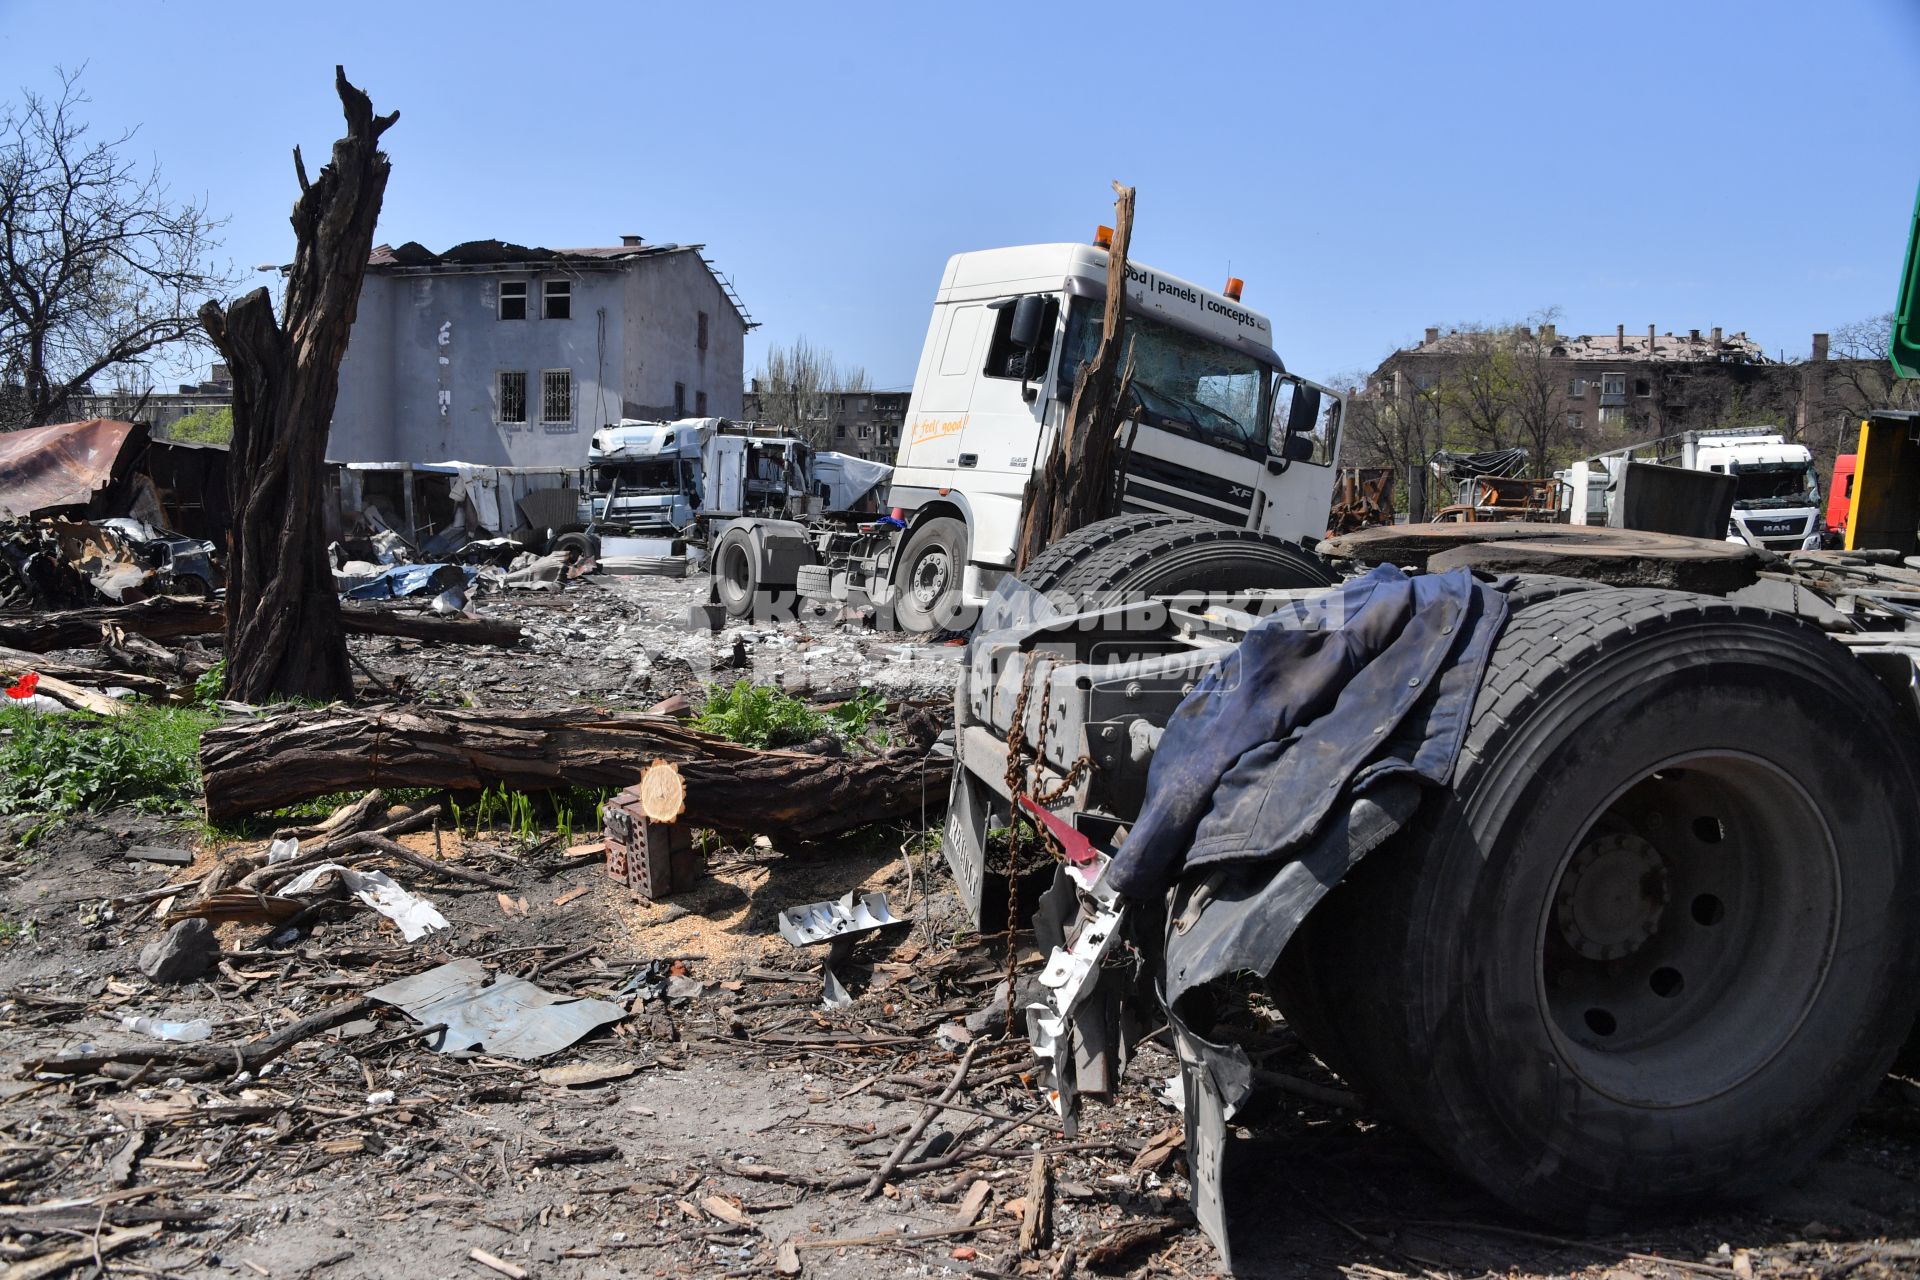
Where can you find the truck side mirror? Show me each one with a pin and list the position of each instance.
(1024, 332)
(1302, 416)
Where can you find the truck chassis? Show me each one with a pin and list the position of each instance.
(1652, 945)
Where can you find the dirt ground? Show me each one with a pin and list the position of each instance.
(738, 1117)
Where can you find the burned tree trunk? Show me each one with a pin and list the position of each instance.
(1073, 485)
(284, 636)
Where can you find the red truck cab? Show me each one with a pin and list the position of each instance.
(1840, 493)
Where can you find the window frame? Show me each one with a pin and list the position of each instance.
(547, 295)
(702, 335)
(500, 299)
(500, 377)
(699, 404)
(679, 400)
(546, 421)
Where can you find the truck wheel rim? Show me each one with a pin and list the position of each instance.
(738, 576)
(930, 574)
(1689, 930)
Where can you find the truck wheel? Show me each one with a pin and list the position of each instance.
(1654, 942)
(928, 579)
(583, 545)
(736, 573)
(1202, 556)
(1044, 571)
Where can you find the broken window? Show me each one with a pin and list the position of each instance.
(559, 296)
(511, 395)
(1576, 388)
(1612, 415)
(513, 299)
(702, 340)
(679, 399)
(699, 404)
(866, 433)
(1574, 421)
(1613, 384)
(1004, 360)
(556, 396)
(839, 431)
(1642, 388)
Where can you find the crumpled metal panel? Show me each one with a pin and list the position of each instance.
(512, 1018)
(61, 465)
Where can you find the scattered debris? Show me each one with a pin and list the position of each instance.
(416, 916)
(839, 924)
(183, 953)
(512, 1017)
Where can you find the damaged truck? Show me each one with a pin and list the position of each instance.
(1215, 427)
(1590, 857)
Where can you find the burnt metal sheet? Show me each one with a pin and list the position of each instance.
(62, 465)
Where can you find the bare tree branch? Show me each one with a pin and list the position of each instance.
(100, 268)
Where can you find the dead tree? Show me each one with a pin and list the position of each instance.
(1073, 486)
(283, 635)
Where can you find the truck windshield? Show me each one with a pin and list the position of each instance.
(1778, 484)
(638, 477)
(1184, 383)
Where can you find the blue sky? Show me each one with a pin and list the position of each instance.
(1368, 167)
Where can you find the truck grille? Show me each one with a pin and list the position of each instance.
(1154, 484)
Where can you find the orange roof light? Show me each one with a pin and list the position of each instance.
(1234, 285)
(1103, 237)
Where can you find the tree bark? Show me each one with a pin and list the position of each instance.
(253, 765)
(1073, 486)
(164, 617)
(284, 636)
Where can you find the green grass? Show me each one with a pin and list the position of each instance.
(55, 766)
(761, 716)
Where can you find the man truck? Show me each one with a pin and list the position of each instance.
(1776, 501)
(1216, 430)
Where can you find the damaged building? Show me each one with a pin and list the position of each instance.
(505, 355)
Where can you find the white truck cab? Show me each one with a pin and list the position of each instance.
(1214, 426)
(1200, 439)
(1776, 503)
(647, 475)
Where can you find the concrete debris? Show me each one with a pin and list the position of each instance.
(182, 953)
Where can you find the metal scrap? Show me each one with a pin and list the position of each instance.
(512, 1017)
(839, 924)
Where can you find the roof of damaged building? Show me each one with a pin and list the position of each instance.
(475, 255)
(1692, 347)
(62, 465)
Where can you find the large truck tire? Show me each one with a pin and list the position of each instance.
(927, 592)
(1044, 571)
(737, 578)
(1654, 944)
(1200, 555)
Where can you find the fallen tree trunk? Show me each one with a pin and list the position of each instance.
(254, 765)
(15, 663)
(368, 621)
(165, 617)
(160, 618)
